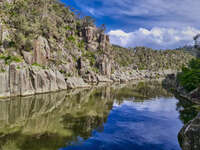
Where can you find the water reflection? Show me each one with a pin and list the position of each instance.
(52, 121)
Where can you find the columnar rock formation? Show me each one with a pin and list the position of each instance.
(51, 50)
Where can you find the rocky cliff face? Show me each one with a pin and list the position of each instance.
(50, 49)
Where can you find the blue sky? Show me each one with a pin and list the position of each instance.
(159, 24)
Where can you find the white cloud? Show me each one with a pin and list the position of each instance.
(158, 38)
(154, 12)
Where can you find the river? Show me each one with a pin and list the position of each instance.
(134, 116)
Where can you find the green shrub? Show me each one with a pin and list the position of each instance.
(9, 59)
(189, 78)
(91, 57)
(71, 39)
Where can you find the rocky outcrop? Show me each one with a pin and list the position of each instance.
(171, 82)
(95, 39)
(41, 51)
(131, 74)
(76, 82)
(190, 134)
(20, 79)
(4, 83)
(4, 37)
(105, 65)
(63, 51)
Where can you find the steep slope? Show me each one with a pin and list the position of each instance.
(145, 58)
(44, 46)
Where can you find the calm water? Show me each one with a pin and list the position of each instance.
(140, 116)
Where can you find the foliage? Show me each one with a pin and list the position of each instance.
(9, 59)
(148, 59)
(91, 57)
(189, 78)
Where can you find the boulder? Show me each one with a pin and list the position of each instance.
(28, 57)
(60, 81)
(189, 136)
(103, 79)
(76, 82)
(90, 77)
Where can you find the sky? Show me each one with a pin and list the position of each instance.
(159, 24)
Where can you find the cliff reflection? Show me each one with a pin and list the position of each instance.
(51, 121)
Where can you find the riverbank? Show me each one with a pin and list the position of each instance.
(20, 79)
(55, 120)
(189, 134)
(171, 83)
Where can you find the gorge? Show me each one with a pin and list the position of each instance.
(64, 86)
(51, 50)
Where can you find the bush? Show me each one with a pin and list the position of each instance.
(9, 59)
(189, 78)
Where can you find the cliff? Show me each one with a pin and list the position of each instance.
(44, 47)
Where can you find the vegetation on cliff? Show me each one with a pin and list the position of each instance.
(44, 45)
(145, 58)
(189, 78)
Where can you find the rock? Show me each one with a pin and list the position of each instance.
(60, 81)
(89, 33)
(83, 66)
(104, 41)
(90, 77)
(41, 51)
(189, 136)
(19, 79)
(96, 39)
(4, 37)
(44, 80)
(105, 65)
(28, 57)
(103, 79)
(76, 82)
(4, 83)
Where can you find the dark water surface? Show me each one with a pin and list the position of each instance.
(138, 116)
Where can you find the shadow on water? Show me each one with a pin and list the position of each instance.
(187, 109)
(188, 136)
(51, 121)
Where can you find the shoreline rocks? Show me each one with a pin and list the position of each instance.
(190, 134)
(20, 79)
(171, 82)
